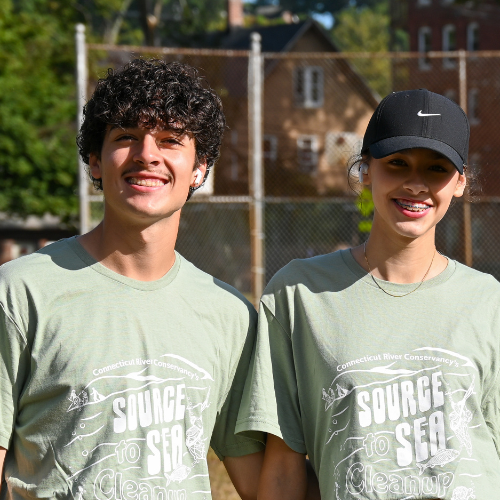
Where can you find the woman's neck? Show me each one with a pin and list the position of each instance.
(399, 259)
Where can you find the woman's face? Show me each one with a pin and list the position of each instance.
(412, 190)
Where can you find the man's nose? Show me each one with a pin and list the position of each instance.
(146, 152)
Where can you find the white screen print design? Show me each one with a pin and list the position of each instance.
(140, 434)
(413, 440)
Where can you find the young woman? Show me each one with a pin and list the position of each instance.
(381, 362)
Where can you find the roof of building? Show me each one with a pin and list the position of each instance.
(278, 38)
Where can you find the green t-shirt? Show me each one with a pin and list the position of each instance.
(113, 388)
(391, 398)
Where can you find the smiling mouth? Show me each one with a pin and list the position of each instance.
(412, 206)
(146, 182)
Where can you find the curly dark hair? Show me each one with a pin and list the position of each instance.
(152, 92)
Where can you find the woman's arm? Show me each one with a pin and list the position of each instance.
(244, 473)
(284, 474)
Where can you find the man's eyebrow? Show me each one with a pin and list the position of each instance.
(113, 127)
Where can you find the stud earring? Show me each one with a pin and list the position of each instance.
(363, 169)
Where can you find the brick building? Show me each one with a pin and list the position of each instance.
(448, 25)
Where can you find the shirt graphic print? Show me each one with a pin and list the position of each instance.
(155, 442)
(413, 414)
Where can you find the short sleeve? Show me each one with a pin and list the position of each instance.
(270, 401)
(224, 442)
(14, 363)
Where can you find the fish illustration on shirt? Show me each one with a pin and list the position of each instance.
(179, 474)
(441, 458)
(328, 398)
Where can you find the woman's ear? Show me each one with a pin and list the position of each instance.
(460, 187)
(95, 166)
(364, 177)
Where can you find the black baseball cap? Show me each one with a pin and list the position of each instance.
(418, 119)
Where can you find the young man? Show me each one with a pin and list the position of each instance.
(122, 362)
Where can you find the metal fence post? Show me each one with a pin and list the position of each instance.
(255, 85)
(81, 92)
(466, 204)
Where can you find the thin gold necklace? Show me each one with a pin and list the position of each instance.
(385, 291)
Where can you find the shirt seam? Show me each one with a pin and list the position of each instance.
(128, 285)
(19, 331)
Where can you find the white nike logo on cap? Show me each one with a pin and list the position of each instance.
(428, 114)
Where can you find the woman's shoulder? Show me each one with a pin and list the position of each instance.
(305, 271)
(473, 278)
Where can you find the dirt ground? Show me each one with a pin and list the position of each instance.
(222, 488)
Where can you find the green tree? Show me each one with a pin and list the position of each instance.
(38, 161)
(308, 7)
(366, 29)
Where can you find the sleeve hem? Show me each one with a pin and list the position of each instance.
(263, 425)
(4, 441)
(238, 450)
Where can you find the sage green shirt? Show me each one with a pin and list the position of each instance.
(391, 398)
(113, 388)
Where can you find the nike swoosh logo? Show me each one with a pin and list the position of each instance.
(428, 114)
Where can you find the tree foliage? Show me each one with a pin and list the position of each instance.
(38, 161)
(309, 7)
(366, 29)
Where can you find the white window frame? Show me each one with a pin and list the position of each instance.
(272, 154)
(472, 106)
(305, 98)
(423, 32)
(449, 63)
(472, 35)
(309, 166)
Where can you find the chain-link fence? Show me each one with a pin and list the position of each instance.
(310, 111)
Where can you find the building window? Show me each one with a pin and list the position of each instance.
(308, 87)
(423, 2)
(451, 95)
(473, 37)
(424, 46)
(307, 153)
(472, 106)
(449, 45)
(270, 149)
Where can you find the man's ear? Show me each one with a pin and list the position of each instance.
(460, 187)
(199, 173)
(95, 166)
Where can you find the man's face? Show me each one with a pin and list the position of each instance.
(146, 174)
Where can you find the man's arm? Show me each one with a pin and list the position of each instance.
(3, 451)
(244, 472)
(284, 474)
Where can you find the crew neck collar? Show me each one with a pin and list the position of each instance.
(96, 266)
(397, 288)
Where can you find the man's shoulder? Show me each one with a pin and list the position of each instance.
(33, 265)
(211, 290)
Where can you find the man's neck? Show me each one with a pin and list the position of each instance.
(144, 253)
